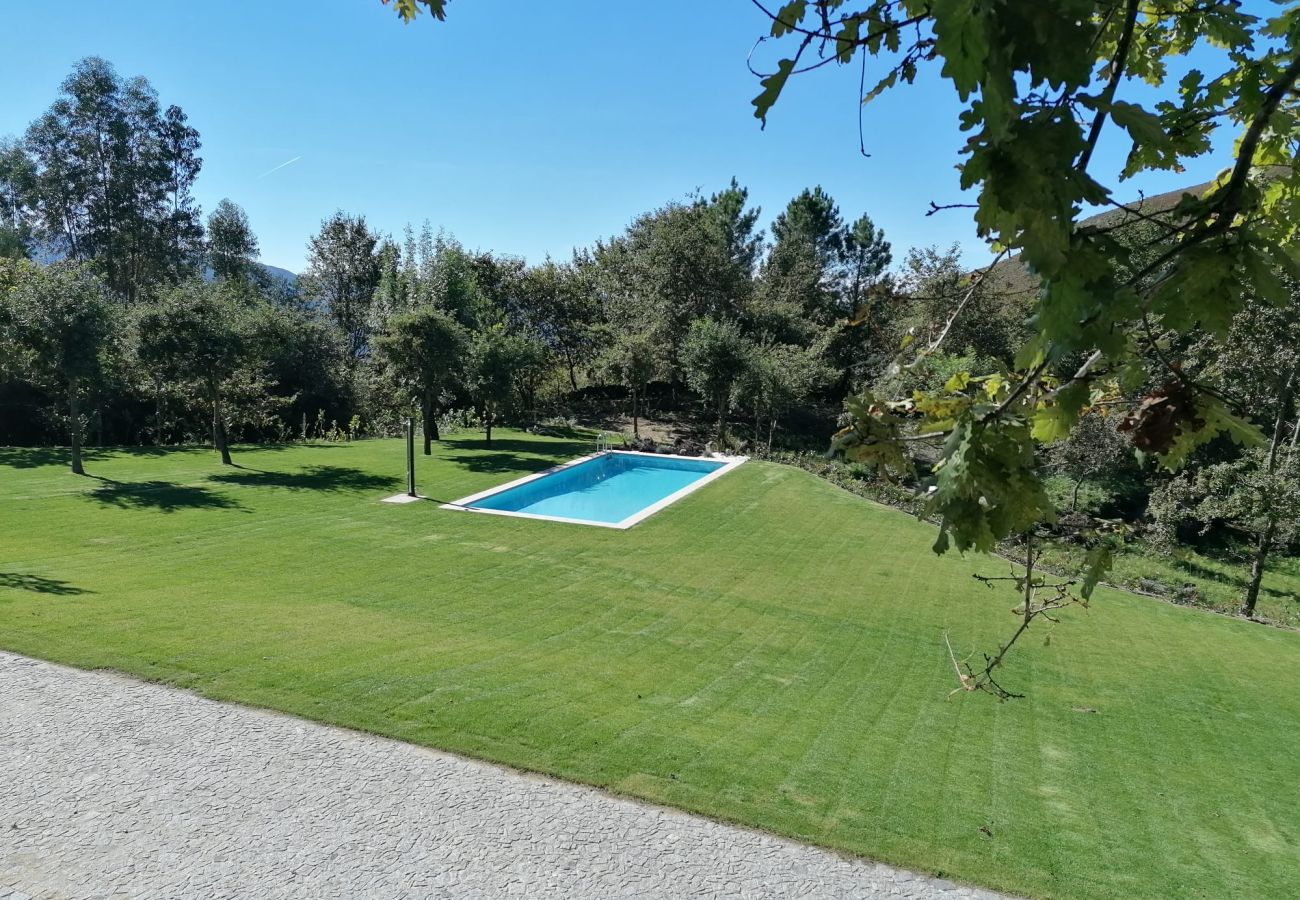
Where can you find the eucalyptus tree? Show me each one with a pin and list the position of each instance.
(62, 322)
(111, 174)
(342, 274)
(17, 177)
(392, 290)
(232, 245)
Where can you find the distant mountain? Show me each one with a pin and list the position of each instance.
(45, 254)
(282, 274)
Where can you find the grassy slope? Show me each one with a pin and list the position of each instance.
(1222, 585)
(769, 650)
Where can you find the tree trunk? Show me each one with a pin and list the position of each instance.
(426, 414)
(220, 439)
(1262, 548)
(1265, 543)
(74, 421)
(722, 419)
(157, 414)
(771, 429)
(636, 422)
(487, 422)
(573, 373)
(1074, 497)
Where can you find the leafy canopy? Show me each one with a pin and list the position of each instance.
(1041, 83)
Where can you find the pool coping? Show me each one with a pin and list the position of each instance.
(728, 463)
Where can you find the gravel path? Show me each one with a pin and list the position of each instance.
(115, 788)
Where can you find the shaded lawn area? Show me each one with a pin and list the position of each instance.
(1220, 584)
(769, 650)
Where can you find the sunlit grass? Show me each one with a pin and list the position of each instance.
(768, 650)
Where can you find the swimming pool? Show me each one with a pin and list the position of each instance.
(615, 489)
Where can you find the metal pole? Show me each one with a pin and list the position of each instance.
(410, 457)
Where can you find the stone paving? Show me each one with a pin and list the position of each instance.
(116, 788)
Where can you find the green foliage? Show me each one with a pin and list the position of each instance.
(342, 274)
(61, 315)
(424, 350)
(409, 10)
(210, 339)
(108, 177)
(232, 246)
(62, 324)
(1040, 84)
(716, 357)
(501, 365)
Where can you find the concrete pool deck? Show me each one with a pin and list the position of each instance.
(111, 787)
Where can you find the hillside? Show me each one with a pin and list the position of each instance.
(1011, 276)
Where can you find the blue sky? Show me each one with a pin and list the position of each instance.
(524, 128)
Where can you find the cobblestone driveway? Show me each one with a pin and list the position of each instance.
(115, 788)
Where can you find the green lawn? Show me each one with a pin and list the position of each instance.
(768, 650)
(1221, 585)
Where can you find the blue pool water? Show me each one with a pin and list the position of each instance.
(607, 489)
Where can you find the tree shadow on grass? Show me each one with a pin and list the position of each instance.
(501, 462)
(1232, 578)
(537, 448)
(24, 582)
(312, 478)
(35, 457)
(163, 496)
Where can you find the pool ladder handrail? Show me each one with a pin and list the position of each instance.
(605, 441)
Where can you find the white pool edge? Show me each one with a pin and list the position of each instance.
(728, 463)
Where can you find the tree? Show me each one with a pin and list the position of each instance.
(392, 291)
(17, 176)
(207, 337)
(945, 307)
(425, 348)
(560, 307)
(737, 221)
(678, 263)
(232, 246)
(780, 377)
(1256, 493)
(1093, 448)
(60, 315)
(813, 217)
(867, 256)
(1029, 159)
(633, 359)
(342, 273)
(715, 357)
(110, 180)
(499, 358)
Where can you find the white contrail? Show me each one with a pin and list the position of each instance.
(279, 167)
